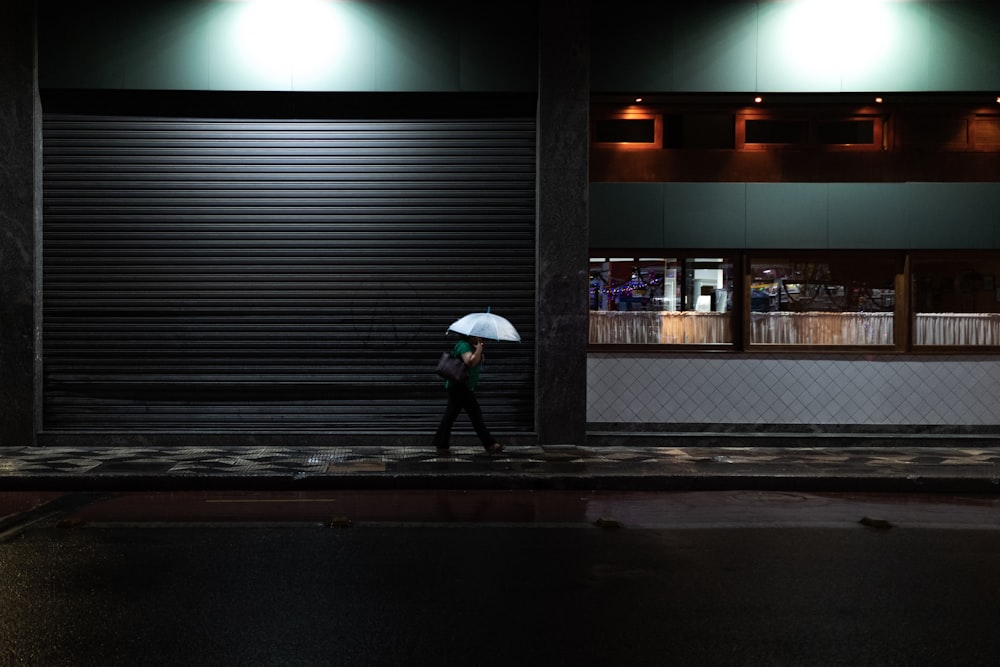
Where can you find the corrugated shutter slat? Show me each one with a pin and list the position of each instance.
(275, 275)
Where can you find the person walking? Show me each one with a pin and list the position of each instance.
(462, 396)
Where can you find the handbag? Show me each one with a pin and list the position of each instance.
(451, 367)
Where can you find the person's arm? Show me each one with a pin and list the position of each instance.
(475, 357)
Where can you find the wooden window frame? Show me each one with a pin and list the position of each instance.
(988, 286)
(900, 334)
(810, 140)
(629, 114)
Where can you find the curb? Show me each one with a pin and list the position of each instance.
(625, 481)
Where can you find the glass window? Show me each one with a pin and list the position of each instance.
(798, 298)
(955, 300)
(633, 130)
(775, 131)
(661, 300)
(627, 130)
(846, 132)
(823, 300)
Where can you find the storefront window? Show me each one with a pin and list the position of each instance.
(845, 300)
(661, 300)
(955, 300)
(904, 301)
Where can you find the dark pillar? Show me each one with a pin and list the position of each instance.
(19, 137)
(563, 146)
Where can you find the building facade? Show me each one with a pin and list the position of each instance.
(253, 221)
(810, 216)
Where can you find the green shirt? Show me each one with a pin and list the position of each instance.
(461, 347)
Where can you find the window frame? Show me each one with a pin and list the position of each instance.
(915, 258)
(633, 113)
(811, 122)
(904, 308)
(681, 254)
(900, 335)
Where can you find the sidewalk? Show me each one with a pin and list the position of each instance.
(966, 467)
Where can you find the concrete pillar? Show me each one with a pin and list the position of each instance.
(20, 183)
(562, 243)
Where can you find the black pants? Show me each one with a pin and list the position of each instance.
(461, 398)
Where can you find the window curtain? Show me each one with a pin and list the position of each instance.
(821, 328)
(660, 327)
(693, 328)
(957, 329)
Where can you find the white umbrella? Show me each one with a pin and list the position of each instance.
(486, 325)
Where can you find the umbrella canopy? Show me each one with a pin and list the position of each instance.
(486, 325)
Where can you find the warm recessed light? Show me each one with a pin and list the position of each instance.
(878, 100)
(758, 99)
(638, 99)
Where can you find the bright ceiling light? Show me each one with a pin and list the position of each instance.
(834, 37)
(304, 38)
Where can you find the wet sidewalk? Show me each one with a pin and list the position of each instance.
(964, 467)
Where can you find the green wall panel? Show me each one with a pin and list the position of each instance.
(795, 215)
(716, 48)
(83, 46)
(626, 215)
(704, 215)
(245, 53)
(788, 59)
(784, 215)
(167, 46)
(867, 215)
(383, 46)
(951, 215)
(417, 48)
(449, 46)
(891, 45)
(349, 64)
(631, 47)
(781, 46)
(964, 52)
(485, 33)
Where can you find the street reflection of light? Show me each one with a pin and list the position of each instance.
(303, 37)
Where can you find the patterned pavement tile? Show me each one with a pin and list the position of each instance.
(283, 462)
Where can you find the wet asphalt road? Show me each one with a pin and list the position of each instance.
(499, 578)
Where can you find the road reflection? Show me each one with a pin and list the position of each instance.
(637, 510)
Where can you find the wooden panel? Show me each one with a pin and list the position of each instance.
(933, 132)
(987, 132)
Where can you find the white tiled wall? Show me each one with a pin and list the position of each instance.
(759, 389)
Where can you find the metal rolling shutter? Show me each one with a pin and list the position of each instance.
(209, 274)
